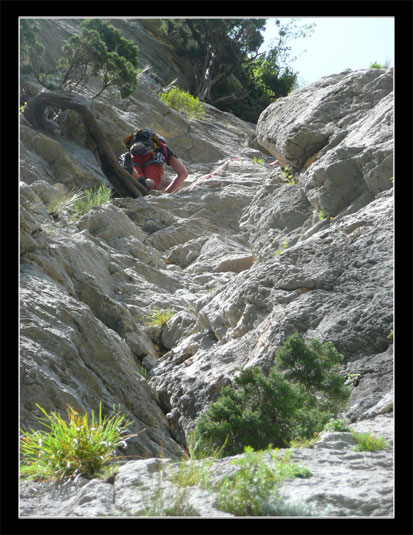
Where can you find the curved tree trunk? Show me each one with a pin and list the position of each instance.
(119, 178)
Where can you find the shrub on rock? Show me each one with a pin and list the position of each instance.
(296, 399)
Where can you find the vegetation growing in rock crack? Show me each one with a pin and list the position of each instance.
(78, 446)
(89, 199)
(297, 398)
(369, 442)
(254, 488)
(183, 102)
(283, 247)
(158, 316)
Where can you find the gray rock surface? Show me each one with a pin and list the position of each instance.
(338, 132)
(243, 259)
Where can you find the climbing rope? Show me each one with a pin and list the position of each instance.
(226, 162)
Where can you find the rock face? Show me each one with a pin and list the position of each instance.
(243, 259)
(339, 131)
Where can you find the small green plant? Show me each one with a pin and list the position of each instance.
(22, 108)
(90, 198)
(68, 449)
(183, 102)
(283, 247)
(337, 425)
(161, 502)
(290, 180)
(376, 65)
(322, 215)
(352, 379)
(301, 442)
(158, 316)
(258, 161)
(144, 372)
(194, 468)
(257, 482)
(390, 336)
(369, 442)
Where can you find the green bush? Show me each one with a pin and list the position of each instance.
(296, 399)
(183, 102)
(71, 448)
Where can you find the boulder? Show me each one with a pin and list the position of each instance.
(337, 134)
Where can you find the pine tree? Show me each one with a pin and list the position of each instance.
(99, 50)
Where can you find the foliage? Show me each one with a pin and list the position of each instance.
(230, 70)
(376, 65)
(352, 379)
(338, 425)
(369, 442)
(161, 504)
(90, 198)
(257, 482)
(31, 49)
(309, 365)
(283, 247)
(183, 102)
(297, 398)
(288, 175)
(71, 448)
(144, 372)
(99, 50)
(64, 202)
(300, 442)
(158, 316)
(194, 468)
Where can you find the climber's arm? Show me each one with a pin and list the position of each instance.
(181, 174)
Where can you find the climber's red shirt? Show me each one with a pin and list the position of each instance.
(150, 165)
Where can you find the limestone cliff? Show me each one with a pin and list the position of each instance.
(244, 258)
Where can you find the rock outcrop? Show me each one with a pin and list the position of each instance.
(243, 258)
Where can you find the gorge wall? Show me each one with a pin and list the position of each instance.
(243, 258)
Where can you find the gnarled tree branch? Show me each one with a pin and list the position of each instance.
(35, 112)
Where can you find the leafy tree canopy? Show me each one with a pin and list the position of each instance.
(229, 70)
(99, 50)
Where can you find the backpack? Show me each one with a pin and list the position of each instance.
(154, 142)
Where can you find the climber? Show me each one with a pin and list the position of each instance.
(148, 152)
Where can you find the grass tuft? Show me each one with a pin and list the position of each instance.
(369, 442)
(78, 446)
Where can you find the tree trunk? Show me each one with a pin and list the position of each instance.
(119, 178)
(204, 92)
